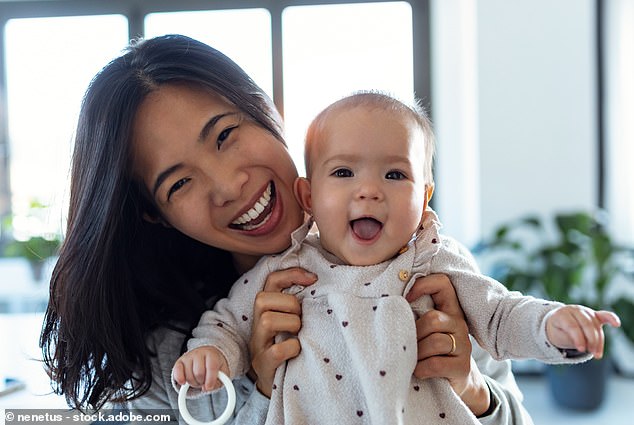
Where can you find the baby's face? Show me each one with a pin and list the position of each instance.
(367, 184)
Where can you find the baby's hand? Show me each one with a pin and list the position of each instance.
(579, 327)
(199, 368)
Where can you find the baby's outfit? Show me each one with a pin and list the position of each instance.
(358, 336)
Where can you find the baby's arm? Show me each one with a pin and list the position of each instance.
(227, 327)
(579, 327)
(199, 368)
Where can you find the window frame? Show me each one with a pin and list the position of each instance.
(136, 10)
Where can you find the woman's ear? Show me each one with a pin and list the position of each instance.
(155, 219)
(301, 188)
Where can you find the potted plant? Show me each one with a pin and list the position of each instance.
(36, 250)
(31, 240)
(572, 259)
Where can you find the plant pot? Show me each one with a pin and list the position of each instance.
(579, 386)
(37, 269)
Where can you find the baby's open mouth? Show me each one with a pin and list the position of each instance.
(366, 228)
(259, 213)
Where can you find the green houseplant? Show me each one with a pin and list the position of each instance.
(35, 245)
(36, 250)
(573, 259)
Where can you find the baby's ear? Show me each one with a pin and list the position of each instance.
(429, 191)
(301, 188)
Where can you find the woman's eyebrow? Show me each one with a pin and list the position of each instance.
(163, 176)
(211, 124)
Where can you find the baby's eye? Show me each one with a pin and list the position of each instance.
(224, 135)
(395, 175)
(342, 172)
(177, 186)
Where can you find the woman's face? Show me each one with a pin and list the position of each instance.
(214, 174)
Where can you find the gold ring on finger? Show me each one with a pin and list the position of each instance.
(453, 344)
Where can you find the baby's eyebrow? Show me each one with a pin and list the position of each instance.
(347, 158)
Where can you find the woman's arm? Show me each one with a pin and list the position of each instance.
(495, 398)
(507, 408)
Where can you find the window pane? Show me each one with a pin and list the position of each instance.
(243, 34)
(333, 50)
(49, 64)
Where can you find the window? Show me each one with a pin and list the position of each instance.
(304, 56)
(224, 30)
(49, 63)
(331, 51)
(619, 44)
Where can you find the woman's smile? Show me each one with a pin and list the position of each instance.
(257, 218)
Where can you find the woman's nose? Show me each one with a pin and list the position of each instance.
(226, 186)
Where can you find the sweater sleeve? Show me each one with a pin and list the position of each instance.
(507, 324)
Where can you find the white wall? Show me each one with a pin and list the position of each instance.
(534, 73)
(455, 116)
(619, 99)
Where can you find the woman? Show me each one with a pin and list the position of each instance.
(180, 182)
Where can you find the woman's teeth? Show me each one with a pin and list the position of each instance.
(255, 211)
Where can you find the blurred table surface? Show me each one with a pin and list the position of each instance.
(20, 358)
(617, 408)
(19, 291)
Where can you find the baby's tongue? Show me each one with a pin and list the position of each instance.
(366, 228)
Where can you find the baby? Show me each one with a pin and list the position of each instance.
(369, 167)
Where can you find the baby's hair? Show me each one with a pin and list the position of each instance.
(378, 100)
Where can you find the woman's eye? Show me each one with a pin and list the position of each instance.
(177, 186)
(224, 135)
(395, 175)
(342, 172)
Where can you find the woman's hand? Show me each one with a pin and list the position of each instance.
(275, 312)
(444, 348)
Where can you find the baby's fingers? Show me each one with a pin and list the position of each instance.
(211, 374)
(593, 333)
(591, 323)
(600, 318)
(581, 330)
(204, 373)
(572, 327)
(179, 372)
(608, 318)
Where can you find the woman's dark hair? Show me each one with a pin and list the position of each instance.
(118, 276)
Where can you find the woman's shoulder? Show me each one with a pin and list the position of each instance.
(167, 344)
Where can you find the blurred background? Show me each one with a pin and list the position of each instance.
(531, 103)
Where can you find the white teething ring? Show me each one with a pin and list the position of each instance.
(220, 420)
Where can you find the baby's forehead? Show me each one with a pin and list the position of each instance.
(374, 115)
(364, 130)
(369, 110)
